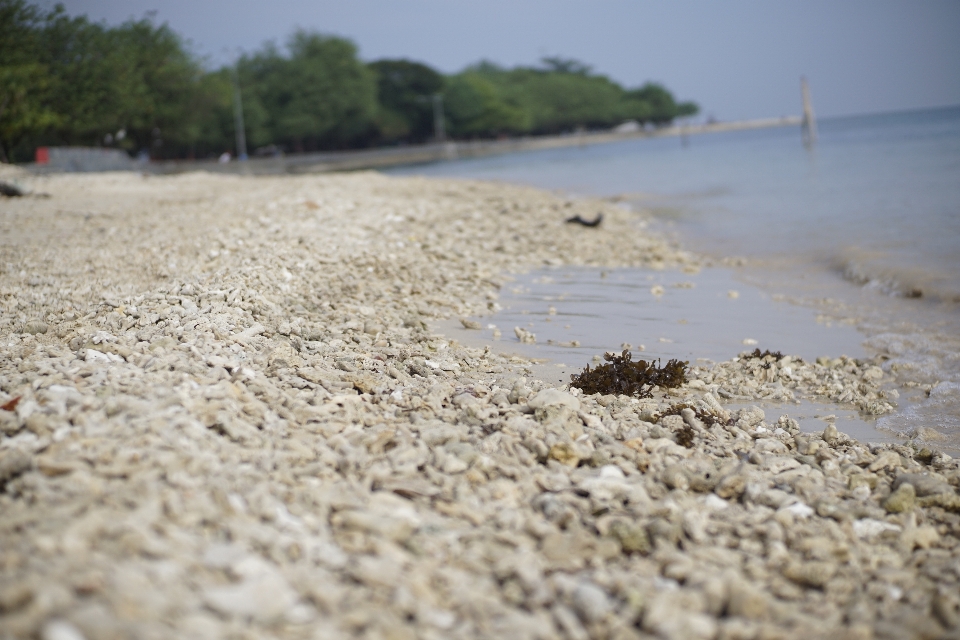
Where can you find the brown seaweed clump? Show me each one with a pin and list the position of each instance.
(685, 436)
(706, 418)
(776, 355)
(621, 376)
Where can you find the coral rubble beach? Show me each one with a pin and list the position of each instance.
(225, 416)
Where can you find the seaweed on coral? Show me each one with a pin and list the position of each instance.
(622, 376)
(685, 436)
(706, 418)
(760, 356)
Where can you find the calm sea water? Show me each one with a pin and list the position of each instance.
(866, 222)
(877, 198)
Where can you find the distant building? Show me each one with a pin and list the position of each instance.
(83, 159)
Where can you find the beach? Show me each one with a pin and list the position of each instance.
(861, 228)
(227, 414)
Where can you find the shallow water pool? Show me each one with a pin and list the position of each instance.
(578, 313)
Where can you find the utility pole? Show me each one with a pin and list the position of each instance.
(809, 125)
(238, 117)
(439, 131)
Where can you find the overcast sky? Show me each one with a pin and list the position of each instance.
(737, 59)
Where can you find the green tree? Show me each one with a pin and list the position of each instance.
(321, 95)
(405, 90)
(24, 80)
(655, 104)
(210, 129)
(22, 111)
(565, 65)
(158, 87)
(476, 107)
(564, 100)
(69, 81)
(562, 95)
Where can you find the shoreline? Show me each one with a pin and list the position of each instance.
(701, 316)
(363, 159)
(233, 419)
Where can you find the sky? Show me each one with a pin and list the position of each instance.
(737, 59)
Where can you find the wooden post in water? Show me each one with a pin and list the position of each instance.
(809, 124)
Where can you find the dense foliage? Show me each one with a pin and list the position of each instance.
(405, 90)
(320, 95)
(68, 81)
(561, 96)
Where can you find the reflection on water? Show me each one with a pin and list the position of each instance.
(579, 312)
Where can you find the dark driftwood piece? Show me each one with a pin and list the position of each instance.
(587, 223)
(11, 190)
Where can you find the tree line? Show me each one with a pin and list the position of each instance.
(70, 81)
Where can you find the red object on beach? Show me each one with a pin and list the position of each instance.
(10, 405)
(43, 155)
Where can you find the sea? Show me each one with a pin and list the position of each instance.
(849, 245)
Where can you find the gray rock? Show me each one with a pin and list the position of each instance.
(923, 484)
(678, 615)
(745, 599)
(13, 462)
(902, 500)
(590, 602)
(750, 417)
(262, 596)
(60, 630)
(551, 397)
(568, 622)
(35, 327)
(13, 190)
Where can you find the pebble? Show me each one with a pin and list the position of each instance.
(901, 500)
(745, 600)
(553, 397)
(13, 462)
(811, 574)
(923, 484)
(35, 327)
(262, 596)
(525, 336)
(946, 606)
(565, 454)
(867, 528)
(60, 630)
(677, 614)
(590, 602)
